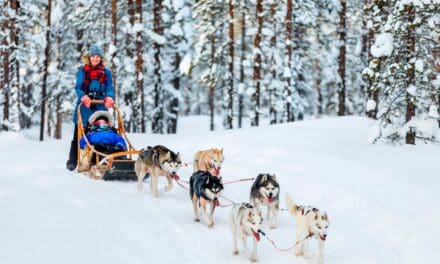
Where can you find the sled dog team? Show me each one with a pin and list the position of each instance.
(205, 187)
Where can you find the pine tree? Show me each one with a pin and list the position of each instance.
(407, 108)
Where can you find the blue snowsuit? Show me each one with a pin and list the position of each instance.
(95, 88)
(104, 137)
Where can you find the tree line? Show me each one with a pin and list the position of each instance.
(255, 61)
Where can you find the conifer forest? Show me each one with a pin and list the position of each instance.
(239, 62)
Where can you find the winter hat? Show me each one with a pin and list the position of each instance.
(95, 50)
(101, 115)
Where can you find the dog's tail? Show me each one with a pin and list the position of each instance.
(291, 206)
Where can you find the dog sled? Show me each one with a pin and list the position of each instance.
(100, 164)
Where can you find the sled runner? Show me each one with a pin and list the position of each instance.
(103, 163)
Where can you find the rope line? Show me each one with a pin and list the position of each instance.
(286, 249)
(239, 180)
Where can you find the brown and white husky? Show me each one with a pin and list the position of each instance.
(209, 160)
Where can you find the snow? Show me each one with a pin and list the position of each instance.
(412, 90)
(426, 127)
(383, 45)
(176, 30)
(57, 14)
(371, 105)
(159, 39)
(383, 201)
(138, 27)
(419, 65)
(433, 111)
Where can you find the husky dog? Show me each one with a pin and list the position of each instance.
(205, 189)
(157, 161)
(310, 222)
(209, 160)
(266, 191)
(245, 221)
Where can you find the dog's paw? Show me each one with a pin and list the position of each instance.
(253, 259)
(197, 220)
(298, 254)
(273, 226)
(235, 252)
(211, 224)
(168, 188)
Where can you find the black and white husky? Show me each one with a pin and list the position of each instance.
(245, 221)
(266, 191)
(205, 189)
(310, 223)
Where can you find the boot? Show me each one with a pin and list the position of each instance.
(72, 162)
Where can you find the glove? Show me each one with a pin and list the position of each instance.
(86, 101)
(108, 102)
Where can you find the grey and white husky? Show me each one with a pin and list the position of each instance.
(266, 191)
(245, 221)
(154, 162)
(310, 223)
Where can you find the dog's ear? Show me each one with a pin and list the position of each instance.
(264, 178)
(221, 150)
(274, 177)
(324, 216)
(178, 156)
(167, 156)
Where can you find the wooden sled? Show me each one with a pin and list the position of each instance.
(99, 165)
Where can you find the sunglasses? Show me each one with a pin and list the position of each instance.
(100, 127)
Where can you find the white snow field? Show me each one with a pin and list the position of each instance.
(383, 201)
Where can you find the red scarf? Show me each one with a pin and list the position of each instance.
(94, 73)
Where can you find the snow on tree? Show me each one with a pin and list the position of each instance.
(408, 97)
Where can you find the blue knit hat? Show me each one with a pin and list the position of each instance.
(95, 50)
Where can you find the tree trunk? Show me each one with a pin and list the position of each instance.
(139, 66)
(157, 124)
(229, 124)
(174, 105)
(342, 58)
(367, 38)
(410, 99)
(211, 87)
(59, 101)
(287, 89)
(114, 43)
(257, 65)
(46, 65)
(6, 89)
(242, 61)
(273, 43)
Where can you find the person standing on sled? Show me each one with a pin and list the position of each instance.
(93, 82)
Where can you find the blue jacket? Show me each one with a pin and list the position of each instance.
(106, 89)
(104, 137)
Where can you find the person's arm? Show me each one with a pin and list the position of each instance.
(79, 82)
(109, 89)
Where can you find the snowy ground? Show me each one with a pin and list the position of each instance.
(383, 202)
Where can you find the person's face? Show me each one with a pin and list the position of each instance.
(95, 60)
